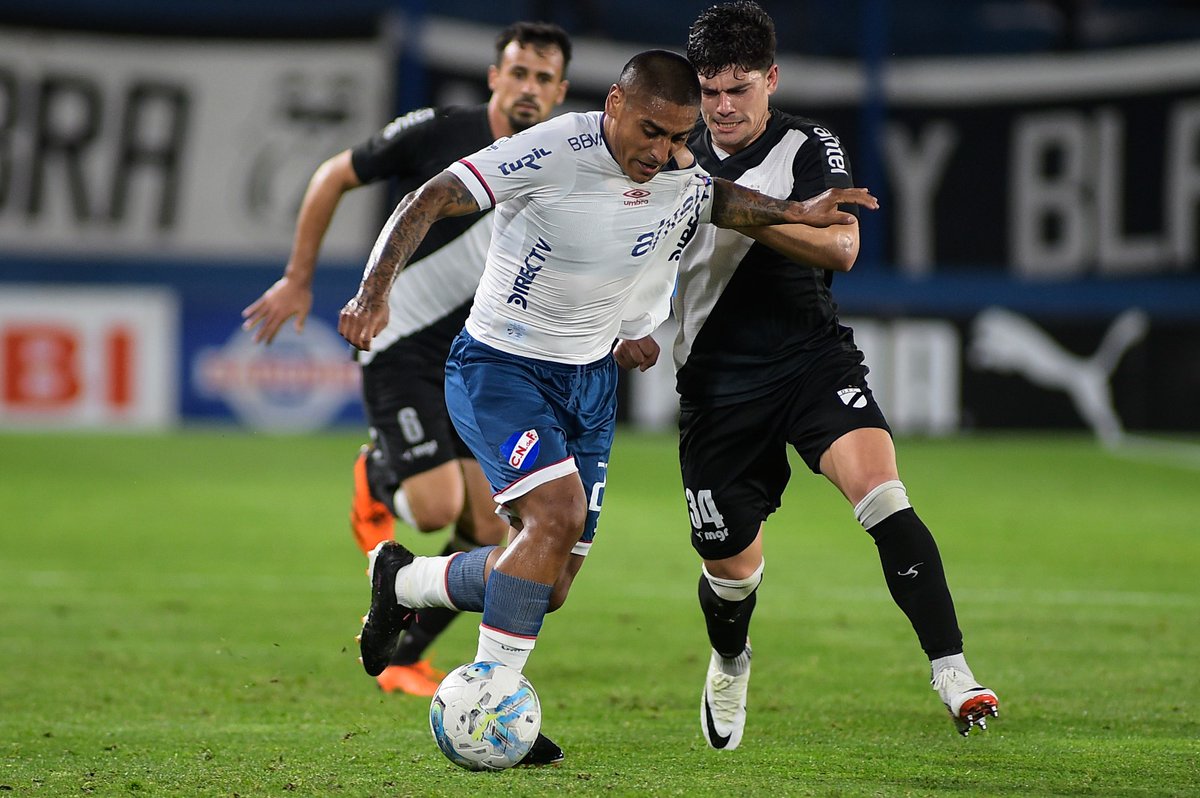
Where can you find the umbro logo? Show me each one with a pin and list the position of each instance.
(636, 196)
(853, 397)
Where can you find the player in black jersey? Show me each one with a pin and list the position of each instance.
(763, 362)
(416, 467)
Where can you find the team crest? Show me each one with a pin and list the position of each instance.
(853, 397)
(521, 449)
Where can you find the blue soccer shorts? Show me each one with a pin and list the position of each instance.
(530, 421)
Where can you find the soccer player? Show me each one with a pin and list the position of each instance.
(762, 362)
(416, 467)
(593, 211)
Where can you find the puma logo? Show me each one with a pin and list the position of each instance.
(1008, 343)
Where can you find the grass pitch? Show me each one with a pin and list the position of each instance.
(177, 617)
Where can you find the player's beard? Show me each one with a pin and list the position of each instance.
(521, 122)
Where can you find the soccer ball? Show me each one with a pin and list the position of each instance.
(485, 716)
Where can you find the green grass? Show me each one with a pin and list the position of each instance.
(177, 617)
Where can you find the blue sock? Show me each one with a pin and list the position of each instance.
(514, 605)
(464, 579)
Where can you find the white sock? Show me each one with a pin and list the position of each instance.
(496, 646)
(422, 583)
(956, 661)
(403, 510)
(736, 666)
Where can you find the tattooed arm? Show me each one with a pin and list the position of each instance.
(366, 314)
(738, 206)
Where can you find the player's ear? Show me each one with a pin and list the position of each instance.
(772, 78)
(493, 73)
(563, 85)
(614, 100)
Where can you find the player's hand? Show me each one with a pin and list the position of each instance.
(822, 210)
(639, 353)
(359, 323)
(272, 310)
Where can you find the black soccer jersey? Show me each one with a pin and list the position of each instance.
(749, 317)
(437, 285)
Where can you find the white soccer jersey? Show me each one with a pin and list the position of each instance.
(577, 246)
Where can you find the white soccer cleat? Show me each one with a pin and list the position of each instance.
(723, 705)
(968, 702)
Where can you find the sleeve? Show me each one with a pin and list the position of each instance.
(396, 149)
(649, 301)
(534, 161)
(704, 194)
(822, 163)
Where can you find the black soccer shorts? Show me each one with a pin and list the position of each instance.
(734, 457)
(405, 400)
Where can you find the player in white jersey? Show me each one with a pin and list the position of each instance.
(416, 466)
(594, 211)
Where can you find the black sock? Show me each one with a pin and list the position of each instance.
(913, 569)
(728, 622)
(381, 479)
(430, 622)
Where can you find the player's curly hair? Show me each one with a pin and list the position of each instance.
(539, 34)
(737, 34)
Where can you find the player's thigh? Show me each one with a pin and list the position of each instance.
(405, 405)
(479, 517)
(859, 461)
(436, 496)
(499, 406)
(734, 465)
(587, 412)
(829, 401)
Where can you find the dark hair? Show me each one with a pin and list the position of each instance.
(538, 34)
(739, 34)
(664, 74)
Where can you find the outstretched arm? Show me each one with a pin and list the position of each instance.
(738, 206)
(366, 314)
(291, 295)
(834, 248)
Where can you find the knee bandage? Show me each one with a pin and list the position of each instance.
(735, 589)
(884, 500)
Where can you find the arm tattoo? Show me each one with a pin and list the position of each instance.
(737, 206)
(442, 196)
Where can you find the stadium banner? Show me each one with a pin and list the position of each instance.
(88, 357)
(136, 146)
(1038, 167)
(1001, 369)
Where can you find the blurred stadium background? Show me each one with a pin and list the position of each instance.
(1036, 264)
(177, 607)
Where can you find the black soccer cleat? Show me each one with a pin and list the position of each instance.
(543, 752)
(386, 620)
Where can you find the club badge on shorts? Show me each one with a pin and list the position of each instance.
(521, 449)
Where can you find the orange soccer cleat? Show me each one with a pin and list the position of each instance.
(370, 520)
(420, 678)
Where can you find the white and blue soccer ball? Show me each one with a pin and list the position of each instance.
(485, 716)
